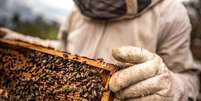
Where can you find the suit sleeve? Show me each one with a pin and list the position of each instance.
(174, 48)
(65, 29)
(174, 42)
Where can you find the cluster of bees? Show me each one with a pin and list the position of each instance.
(33, 76)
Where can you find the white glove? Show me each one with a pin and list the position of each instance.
(4, 32)
(148, 79)
(9, 34)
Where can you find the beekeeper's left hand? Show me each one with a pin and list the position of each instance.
(148, 79)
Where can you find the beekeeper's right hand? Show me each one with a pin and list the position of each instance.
(6, 33)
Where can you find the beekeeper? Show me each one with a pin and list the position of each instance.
(149, 38)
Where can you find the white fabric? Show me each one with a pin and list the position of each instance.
(164, 29)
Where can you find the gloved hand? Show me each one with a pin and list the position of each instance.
(9, 34)
(6, 33)
(148, 79)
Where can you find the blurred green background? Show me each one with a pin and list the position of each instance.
(41, 18)
(38, 27)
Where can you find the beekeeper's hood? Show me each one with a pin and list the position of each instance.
(114, 9)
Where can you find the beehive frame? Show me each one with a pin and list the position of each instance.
(99, 64)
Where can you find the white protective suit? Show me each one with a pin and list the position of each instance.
(166, 72)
